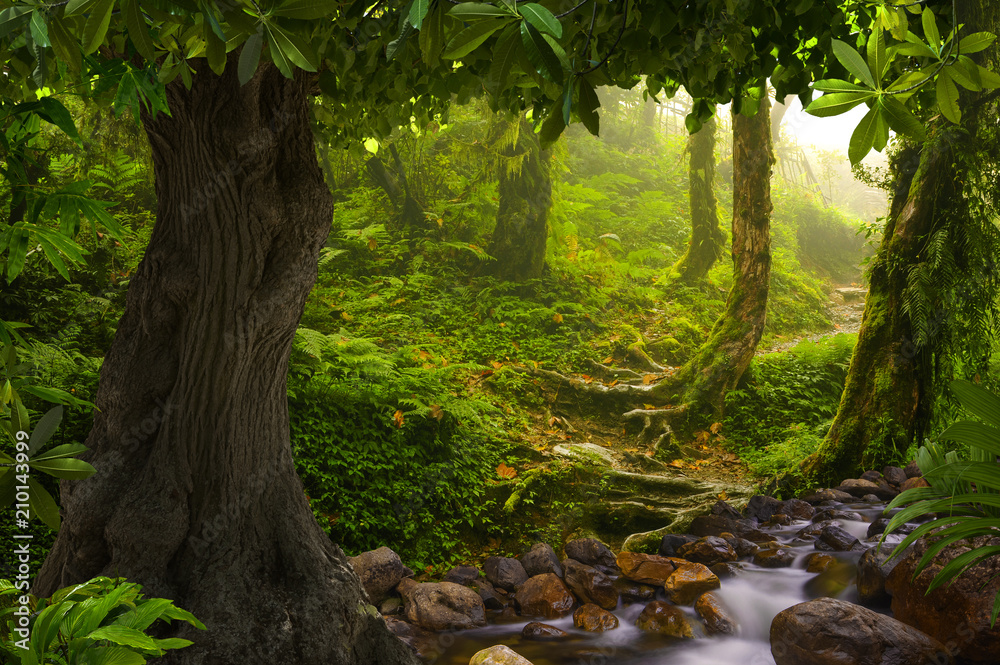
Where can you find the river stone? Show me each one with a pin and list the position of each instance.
(834, 539)
(957, 613)
(894, 475)
(690, 581)
(591, 552)
(504, 572)
(498, 655)
(544, 596)
(672, 541)
(871, 498)
(635, 592)
(542, 632)
(797, 509)
(817, 562)
(590, 585)
(877, 528)
(871, 476)
(873, 570)
(391, 606)
(828, 514)
(541, 559)
(913, 483)
(779, 558)
(708, 550)
(594, 619)
(722, 508)
(912, 470)
(665, 619)
(857, 487)
(645, 568)
(717, 619)
(727, 569)
(379, 570)
(742, 546)
(464, 575)
(423, 642)
(442, 605)
(819, 496)
(716, 525)
(826, 631)
(491, 596)
(762, 508)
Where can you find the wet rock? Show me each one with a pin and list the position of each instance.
(834, 539)
(672, 541)
(832, 581)
(665, 619)
(871, 498)
(708, 550)
(716, 525)
(912, 470)
(859, 487)
(594, 619)
(819, 496)
(591, 552)
(828, 514)
(442, 605)
(542, 632)
(499, 655)
(762, 508)
(894, 475)
(379, 570)
(886, 492)
(797, 509)
(544, 596)
(424, 643)
(871, 476)
(877, 528)
(726, 570)
(541, 559)
(834, 632)
(779, 558)
(913, 483)
(778, 520)
(957, 613)
(817, 562)
(391, 606)
(873, 570)
(590, 585)
(634, 592)
(464, 575)
(645, 568)
(690, 581)
(742, 546)
(490, 595)
(812, 531)
(504, 572)
(717, 619)
(726, 510)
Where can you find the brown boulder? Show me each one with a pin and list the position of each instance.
(594, 619)
(590, 585)
(665, 619)
(544, 596)
(717, 619)
(634, 592)
(913, 483)
(541, 559)
(542, 632)
(796, 509)
(778, 558)
(379, 570)
(819, 496)
(912, 470)
(708, 550)
(645, 568)
(826, 631)
(591, 552)
(442, 605)
(817, 562)
(690, 581)
(958, 613)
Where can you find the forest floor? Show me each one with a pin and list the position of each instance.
(847, 304)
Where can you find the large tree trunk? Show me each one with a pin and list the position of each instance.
(196, 496)
(708, 242)
(887, 402)
(525, 193)
(716, 368)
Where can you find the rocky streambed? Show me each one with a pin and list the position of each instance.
(791, 582)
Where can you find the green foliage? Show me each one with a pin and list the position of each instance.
(100, 622)
(964, 493)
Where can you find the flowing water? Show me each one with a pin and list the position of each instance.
(753, 598)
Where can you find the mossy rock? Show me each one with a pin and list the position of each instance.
(666, 351)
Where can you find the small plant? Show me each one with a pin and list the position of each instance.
(964, 493)
(100, 622)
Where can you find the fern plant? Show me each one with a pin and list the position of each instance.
(963, 493)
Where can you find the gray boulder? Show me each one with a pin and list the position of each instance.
(504, 572)
(541, 559)
(379, 570)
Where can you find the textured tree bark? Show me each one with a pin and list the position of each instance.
(196, 496)
(716, 368)
(708, 242)
(525, 193)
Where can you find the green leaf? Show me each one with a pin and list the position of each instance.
(138, 31)
(853, 62)
(215, 50)
(392, 49)
(305, 9)
(293, 47)
(54, 112)
(864, 137)
(12, 18)
(42, 505)
(74, 7)
(46, 427)
(960, 75)
(17, 250)
(96, 27)
(587, 107)
(505, 54)
(250, 56)
(931, 33)
(977, 400)
(541, 55)
(989, 78)
(431, 37)
(542, 19)
(418, 10)
(124, 636)
(39, 31)
(878, 58)
(901, 120)
(470, 38)
(66, 47)
(62, 450)
(113, 656)
(472, 11)
(947, 97)
(976, 42)
(552, 128)
(69, 468)
(916, 48)
(837, 85)
(835, 103)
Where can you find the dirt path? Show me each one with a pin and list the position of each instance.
(846, 306)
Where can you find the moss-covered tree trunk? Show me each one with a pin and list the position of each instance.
(887, 401)
(525, 194)
(708, 242)
(716, 368)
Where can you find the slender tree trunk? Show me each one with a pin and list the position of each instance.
(716, 368)
(708, 242)
(525, 193)
(196, 496)
(887, 401)
(778, 112)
